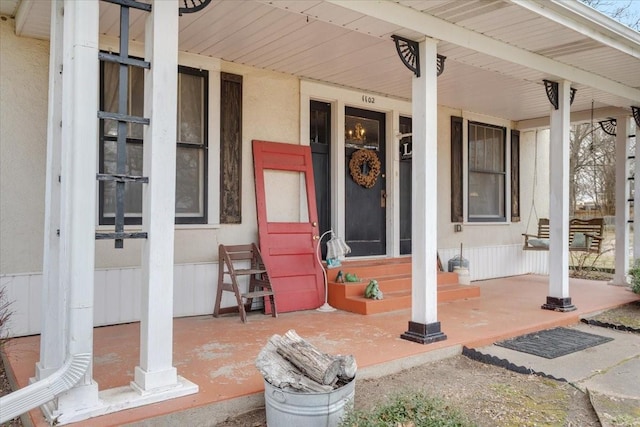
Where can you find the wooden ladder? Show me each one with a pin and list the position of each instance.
(228, 274)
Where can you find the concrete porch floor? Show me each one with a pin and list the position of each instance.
(218, 354)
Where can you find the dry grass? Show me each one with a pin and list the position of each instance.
(5, 314)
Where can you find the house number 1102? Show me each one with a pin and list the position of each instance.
(368, 99)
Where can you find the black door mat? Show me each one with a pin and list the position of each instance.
(553, 343)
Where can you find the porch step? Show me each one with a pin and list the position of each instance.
(376, 267)
(394, 280)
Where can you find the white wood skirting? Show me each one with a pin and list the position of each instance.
(118, 290)
(490, 262)
(117, 295)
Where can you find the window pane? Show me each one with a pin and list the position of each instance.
(110, 96)
(486, 195)
(319, 122)
(486, 173)
(133, 191)
(190, 101)
(136, 100)
(360, 132)
(190, 163)
(189, 182)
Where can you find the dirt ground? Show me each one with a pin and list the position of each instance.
(487, 395)
(4, 389)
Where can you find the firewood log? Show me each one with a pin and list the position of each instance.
(280, 373)
(348, 367)
(317, 365)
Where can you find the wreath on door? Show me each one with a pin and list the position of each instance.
(356, 166)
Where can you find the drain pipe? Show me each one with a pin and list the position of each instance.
(79, 44)
(45, 390)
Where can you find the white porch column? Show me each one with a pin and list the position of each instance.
(78, 193)
(622, 205)
(52, 336)
(424, 327)
(558, 298)
(636, 197)
(159, 164)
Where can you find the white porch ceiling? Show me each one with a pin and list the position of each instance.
(8, 7)
(323, 41)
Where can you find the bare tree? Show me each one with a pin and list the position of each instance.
(619, 10)
(592, 162)
(592, 168)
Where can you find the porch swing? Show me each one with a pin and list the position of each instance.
(585, 235)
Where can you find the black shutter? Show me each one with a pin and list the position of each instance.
(230, 148)
(515, 176)
(457, 214)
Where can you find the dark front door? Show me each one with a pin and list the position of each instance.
(320, 142)
(405, 186)
(365, 204)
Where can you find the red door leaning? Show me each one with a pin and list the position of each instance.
(288, 223)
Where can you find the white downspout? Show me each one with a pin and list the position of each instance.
(43, 391)
(77, 217)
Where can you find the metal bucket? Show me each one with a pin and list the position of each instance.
(289, 409)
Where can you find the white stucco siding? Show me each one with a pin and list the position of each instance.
(270, 112)
(24, 65)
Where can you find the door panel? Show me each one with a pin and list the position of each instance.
(320, 142)
(288, 226)
(365, 208)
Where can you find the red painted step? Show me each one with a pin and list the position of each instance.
(394, 279)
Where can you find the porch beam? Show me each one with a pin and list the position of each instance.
(436, 28)
(22, 15)
(558, 298)
(622, 203)
(583, 116)
(582, 19)
(424, 327)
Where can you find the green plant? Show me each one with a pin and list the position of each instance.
(413, 409)
(634, 272)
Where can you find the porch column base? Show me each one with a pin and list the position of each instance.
(73, 404)
(146, 381)
(42, 372)
(119, 399)
(558, 304)
(424, 333)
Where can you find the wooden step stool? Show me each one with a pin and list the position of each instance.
(259, 283)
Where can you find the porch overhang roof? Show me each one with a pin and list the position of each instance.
(498, 51)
